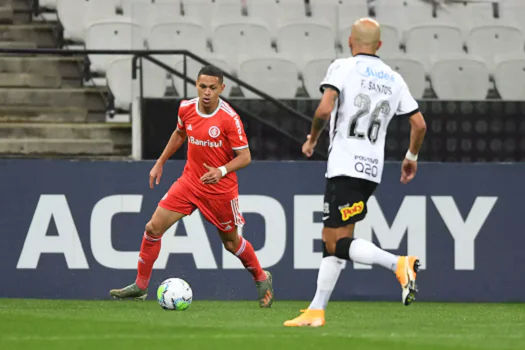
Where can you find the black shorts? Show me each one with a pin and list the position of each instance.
(345, 200)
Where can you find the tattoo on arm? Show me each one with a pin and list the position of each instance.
(318, 124)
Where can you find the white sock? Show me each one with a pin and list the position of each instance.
(329, 272)
(364, 252)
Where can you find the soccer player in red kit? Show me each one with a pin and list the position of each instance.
(217, 147)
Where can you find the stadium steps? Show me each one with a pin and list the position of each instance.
(66, 71)
(90, 98)
(27, 114)
(15, 11)
(43, 35)
(33, 147)
(45, 110)
(65, 138)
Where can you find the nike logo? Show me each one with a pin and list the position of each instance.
(326, 218)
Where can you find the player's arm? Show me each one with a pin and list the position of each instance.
(323, 112)
(238, 141)
(176, 140)
(418, 129)
(408, 107)
(331, 87)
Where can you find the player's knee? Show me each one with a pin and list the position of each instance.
(329, 246)
(154, 229)
(230, 246)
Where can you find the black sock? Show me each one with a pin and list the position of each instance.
(342, 248)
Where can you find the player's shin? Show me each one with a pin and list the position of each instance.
(149, 252)
(327, 277)
(246, 254)
(364, 252)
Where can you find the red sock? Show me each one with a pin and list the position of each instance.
(247, 256)
(149, 252)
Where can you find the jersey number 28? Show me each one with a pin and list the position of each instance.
(363, 103)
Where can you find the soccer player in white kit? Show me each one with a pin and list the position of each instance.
(361, 94)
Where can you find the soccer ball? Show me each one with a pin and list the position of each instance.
(174, 294)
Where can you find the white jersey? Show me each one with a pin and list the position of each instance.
(370, 95)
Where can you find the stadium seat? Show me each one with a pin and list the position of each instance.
(181, 35)
(124, 89)
(459, 77)
(403, 13)
(116, 34)
(274, 14)
(485, 41)
(148, 15)
(192, 71)
(132, 8)
(466, 15)
(48, 4)
(509, 76)
(208, 12)
(348, 14)
(425, 40)
(300, 39)
(389, 36)
(412, 70)
(313, 73)
(277, 76)
(243, 36)
(513, 13)
(75, 15)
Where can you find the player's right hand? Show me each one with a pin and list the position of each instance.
(308, 147)
(155, 174)
(408, 171)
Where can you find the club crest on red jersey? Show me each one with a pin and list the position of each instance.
(214, 131)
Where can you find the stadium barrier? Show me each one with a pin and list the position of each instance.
(72, 229)
(137, 110)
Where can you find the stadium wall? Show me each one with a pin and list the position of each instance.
(72, 229)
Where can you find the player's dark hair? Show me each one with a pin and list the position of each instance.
(211, 71)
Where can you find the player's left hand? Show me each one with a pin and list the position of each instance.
(212, 176)
(408, 171)
(309, 146)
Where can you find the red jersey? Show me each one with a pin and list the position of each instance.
(212, 139)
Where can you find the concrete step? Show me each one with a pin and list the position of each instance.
(119, 134)
(89, 98)
(17, 5)
(16, 45)
(15, 80)
(56, 146)
(24, 114)
(66, 67)
(43, 35)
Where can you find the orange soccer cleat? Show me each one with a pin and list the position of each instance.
(407, 269)
(308, 318)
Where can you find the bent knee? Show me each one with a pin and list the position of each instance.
(230, 246)
(154, 229)
(330, 247)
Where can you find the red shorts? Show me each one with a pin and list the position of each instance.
(222, 213)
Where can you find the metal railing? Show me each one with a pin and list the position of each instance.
(146, 54)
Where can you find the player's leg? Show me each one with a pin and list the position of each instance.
(227, 217)
(243, 250)
(173, 207)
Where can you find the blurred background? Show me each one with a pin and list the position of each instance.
(463, 60)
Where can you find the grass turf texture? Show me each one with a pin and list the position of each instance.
(57, 324)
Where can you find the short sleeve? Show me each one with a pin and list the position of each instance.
(180, 124)
(335, 76)
(407, 104)
(235, 134)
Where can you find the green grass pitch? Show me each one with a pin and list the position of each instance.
(57, 324)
